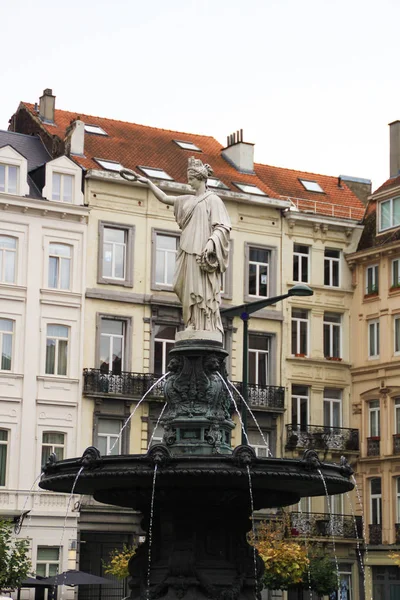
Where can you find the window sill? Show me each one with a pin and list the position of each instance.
(62, 378)
(158, 287)
(59, 292)
(11, 374)
(118, 282)
(395, 289)
(334, 358)
(371, 296)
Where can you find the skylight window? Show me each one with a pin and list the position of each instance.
(187, 145)
(110, 165)
(214, 182)
(311, 186)
(156, 173)
(94, 129)
(249, 188)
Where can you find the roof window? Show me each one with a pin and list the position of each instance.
(311, 186)
(214, 182)
(156, 173)
(249, 188)
(187, 145)
(110, 165)
(94, 129)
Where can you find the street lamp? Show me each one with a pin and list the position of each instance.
(244, 311)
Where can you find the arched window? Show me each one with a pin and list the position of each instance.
(59, 276)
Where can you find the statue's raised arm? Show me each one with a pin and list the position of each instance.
(203, 249)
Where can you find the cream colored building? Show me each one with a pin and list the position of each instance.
(42, 282)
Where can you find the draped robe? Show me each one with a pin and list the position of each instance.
(201, 218)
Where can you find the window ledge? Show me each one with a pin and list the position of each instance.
(58, 292)
(158, 287)
(11, 375)
(394, 290)
(371, 297)
(334, 358)
(117, 282)
(60, 378)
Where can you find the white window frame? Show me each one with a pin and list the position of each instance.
(165, 284)
(62, 177)
(111, 337)
(7, 168)
(47, 563)
(397, 414)
(60, 261)
(374, 271)
(111, 438)
(12, 334)
(12, 158)
(156, 173)
(258, 265)
(57, 340)
(332, 402)
(330, 325)
(374, 418)
(297, 321)
(164, 342)
(301, 259)
(4, 250)
(298, 398)
(396, 334)
(114, 246)
(7, 444)
(63, 166)
(397, 499)
(54, 445)
(267, 358)
(395, 281)
(331, 261)
(392, 224)
(378, 499)
(373, 338)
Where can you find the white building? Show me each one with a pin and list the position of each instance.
(42, 281)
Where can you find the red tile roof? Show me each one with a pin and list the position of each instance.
(133, 145)
(392, 181)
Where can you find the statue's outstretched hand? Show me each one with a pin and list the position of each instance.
(130, 175)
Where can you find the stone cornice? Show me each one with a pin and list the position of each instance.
(43, 208)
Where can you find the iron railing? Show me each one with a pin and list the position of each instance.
(321, 437)
(373, 446)
(137, 384)
(396, 443)
(375, 534)
(325, 525)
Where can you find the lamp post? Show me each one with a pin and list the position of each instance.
(244, 311)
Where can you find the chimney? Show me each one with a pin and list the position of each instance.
(394, 148)
(47, 104)
(76, 135)
(359, 186)
(238, 153)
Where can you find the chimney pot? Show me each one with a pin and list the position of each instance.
(47, 105)
(239, 153)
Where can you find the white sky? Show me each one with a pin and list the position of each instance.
(313, 83)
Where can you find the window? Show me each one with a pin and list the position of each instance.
(249, 188)
(396, 272)
(48, 561)
(156, 173)
(397, 334)
(345, 591)
(9, 179)
(8, 258)
(301, 265)
(372, 279)
(300, 395)
(311, 186)
(336, 504)
(373, 339)
(332, 408)
(299, 332)
(112, 345)
(62, 187)
(331, 267)
(166, 249)
(109, 165)
(52, 443)
(257, 442)
(94, 129)
(3, 456)
(214, 182)
(332, 335)
(374, 418)
(108, 438)
(389, 213)
(259, 359)
(115, 261)
(6, 343)
(397, 416)
(59, 266)
(164, 338)
(57, 349)
(259, 259)
(376, 501)
(187, 145)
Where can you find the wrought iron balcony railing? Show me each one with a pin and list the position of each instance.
(396, 443)
(325, 525)
(137, 384)
(320, 437)
(373, 446)
(375, 534)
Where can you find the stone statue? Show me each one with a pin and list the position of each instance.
(203, 249)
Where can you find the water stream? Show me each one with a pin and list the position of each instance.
(307, 552)
(134, 410)
(331, 523)
(360, 558)
(236, 407)
(254, 533)
(17, 528)
(363, 530)
(269, 453)
(151, 530)
(155, 428)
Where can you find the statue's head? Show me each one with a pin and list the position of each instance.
(198, 171)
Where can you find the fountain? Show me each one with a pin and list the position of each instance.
(193, 489)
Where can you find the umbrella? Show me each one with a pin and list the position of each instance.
(32, 582)
(73, 577)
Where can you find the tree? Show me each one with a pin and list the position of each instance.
(119, 561)
(14, 562)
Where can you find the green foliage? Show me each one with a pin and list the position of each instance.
(14, 562)
(118, 561)
(323, 574)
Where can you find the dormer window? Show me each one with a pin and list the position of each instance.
(156, 173)
(214, 182)
(311, 186)
(62, 190)
(8, 179)
(389, 214)
(250, 188)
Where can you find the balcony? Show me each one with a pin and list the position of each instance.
(324, 525)
(319, 437)
(96, 383)
(375, 535)
(373, 446)
(396, 443)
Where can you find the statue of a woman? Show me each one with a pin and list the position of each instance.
(203, 249)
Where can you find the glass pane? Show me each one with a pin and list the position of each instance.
(327, 414)
(109, 426)
(56, 192)
(6, 352)
(6, 325)
(170, 268)
(252, 368)
(114, 235)
(50, 356)
(296, 268)
(336, 414)
(3, 463)
(263, 281)
(375, 485)
(116, 355)
(300, 390)
(104, 354)
(46, 451)
(114, 445)
(62, 357)
(107, 260)
(53, 570)
(262, 368)
(294, 337)
(253, 280)
(396, 272)
(166, 242)
(396, 211)
(67, 188)
(2, 178)
(327, 272)
(164, 332)
(3, 435)
(60, 331)
(332, 318)
(304, 269)
(60, 250)
(332, 253)
(377, 339)
(102, 445)
(113, 326)
(397, 335)
(327, 340)
(41, 569)
(335, 273)
(48, 553)
(301, 249)
(12, 179)
(119, 266)
(53, 272)
(52, 437)
(259, 342)
(299, 313)
(336, 341)
(385, 214)
(333, 393)
(160, 270)
(158, 358)
(7, 241)
(303, 337)
(65, 274)
(259, 255)
(9, 266)
(303, 413)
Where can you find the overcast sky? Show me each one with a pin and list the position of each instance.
(313, 83)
